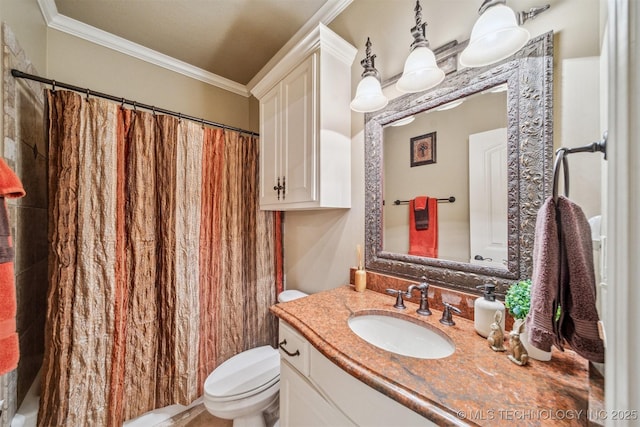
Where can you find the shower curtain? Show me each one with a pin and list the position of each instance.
(161, 264)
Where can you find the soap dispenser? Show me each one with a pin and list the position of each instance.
(485, 309)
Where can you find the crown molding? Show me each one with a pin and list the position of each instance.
(320, 37)
(60, 22)
(81, 30)
(324, 15)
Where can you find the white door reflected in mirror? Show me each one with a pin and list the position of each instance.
(488, 198)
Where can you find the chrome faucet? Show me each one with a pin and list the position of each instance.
(423, 287)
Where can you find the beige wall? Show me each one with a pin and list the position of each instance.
(26, 22)
(581, 126)
(81, 63)
(317, 255)
(319, 246)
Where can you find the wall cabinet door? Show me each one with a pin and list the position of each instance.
(271, 130)
(288, 139)
(299, 132)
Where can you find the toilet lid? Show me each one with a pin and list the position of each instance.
(246, 373)
(290, 295)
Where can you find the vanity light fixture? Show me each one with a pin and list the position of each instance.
(450, 105)
(369, 96)
(403, 121)
(421, 72)
(497, 33)
(496, 89)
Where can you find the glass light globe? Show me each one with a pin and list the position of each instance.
(420, 72)
(369, 96)
(495, 36)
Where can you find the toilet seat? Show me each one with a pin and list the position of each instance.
(245, 374)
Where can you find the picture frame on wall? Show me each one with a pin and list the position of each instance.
(423, 149)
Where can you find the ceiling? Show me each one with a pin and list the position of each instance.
(199, 33)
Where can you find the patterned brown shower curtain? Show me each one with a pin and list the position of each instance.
(161, 264)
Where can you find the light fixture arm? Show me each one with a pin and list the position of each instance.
(488, 3)
(521, 16)
(368, 63)
(532, 13)
(419, 31)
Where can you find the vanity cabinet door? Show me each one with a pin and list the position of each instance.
(302, 405)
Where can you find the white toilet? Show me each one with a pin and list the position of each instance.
(248, 383)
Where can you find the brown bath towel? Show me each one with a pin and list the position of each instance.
(563, 274)
(541, 327)
(10, 186)
(579, 322)
(421, 212)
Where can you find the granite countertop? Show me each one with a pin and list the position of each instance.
(473, 386)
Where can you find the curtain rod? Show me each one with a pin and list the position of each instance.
(53, 83)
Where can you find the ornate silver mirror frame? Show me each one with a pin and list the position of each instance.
(529, 78)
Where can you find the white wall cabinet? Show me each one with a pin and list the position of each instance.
(305, 126)
(315, 392)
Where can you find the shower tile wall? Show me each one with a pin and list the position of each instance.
(24, 149)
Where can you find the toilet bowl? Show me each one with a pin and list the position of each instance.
(247, 384)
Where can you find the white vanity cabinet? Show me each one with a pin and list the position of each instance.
(305, 126)
(301, 402)
(315, 392)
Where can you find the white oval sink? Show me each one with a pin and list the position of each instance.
(402, 336)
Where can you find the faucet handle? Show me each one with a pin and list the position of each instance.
(447, 317)
(399, 301)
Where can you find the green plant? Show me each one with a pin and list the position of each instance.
(518, 299)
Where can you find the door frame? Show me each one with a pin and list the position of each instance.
(622, 248)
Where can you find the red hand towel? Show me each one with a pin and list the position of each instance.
(424, 242)
(10, 186)
(420, 202)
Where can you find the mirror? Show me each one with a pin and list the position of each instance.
(467, 135)
(526, 171)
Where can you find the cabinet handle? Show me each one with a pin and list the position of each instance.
(278, 188)
(284, 187)
(282, 344)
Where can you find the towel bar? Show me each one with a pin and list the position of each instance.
(561, 159)
(451, 199)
